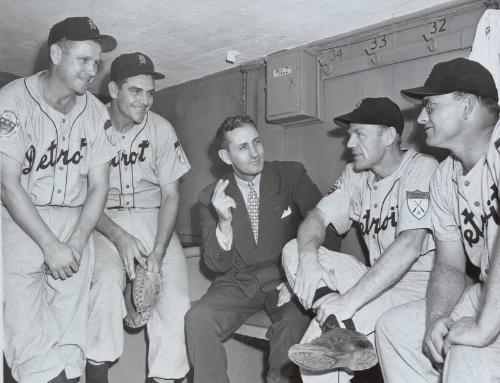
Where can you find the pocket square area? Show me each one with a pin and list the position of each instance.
(286, 212)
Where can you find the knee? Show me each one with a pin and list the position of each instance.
(387, 326)
(290, 255)
(111, 284)
(199, 318)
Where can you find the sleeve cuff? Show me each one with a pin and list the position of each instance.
(224, 241)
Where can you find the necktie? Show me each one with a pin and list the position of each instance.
(253, 211)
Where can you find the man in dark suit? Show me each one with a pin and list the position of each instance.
(246, 218)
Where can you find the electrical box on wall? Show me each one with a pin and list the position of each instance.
(293, 88)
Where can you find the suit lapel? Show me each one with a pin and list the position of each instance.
(269, 209)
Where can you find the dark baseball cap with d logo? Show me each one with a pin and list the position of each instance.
(80, 29)
(458, 75)
(132, 64)
(374, 111)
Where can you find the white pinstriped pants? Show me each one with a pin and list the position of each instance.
(167, 355)
(400, 334)
(45, 320)
(346, 271)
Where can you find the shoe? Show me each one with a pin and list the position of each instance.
(96, 373)
(335, 348)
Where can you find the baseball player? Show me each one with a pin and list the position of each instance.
(55, 160)
(385, 190)
(138, 225)
(457, 325)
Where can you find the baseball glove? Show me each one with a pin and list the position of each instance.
(335, 348)
(141, 296)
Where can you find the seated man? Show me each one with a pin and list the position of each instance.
(386, 191)
(246, 218)
(138, 225)
(457, 326)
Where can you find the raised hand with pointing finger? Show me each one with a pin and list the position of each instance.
(223, 204)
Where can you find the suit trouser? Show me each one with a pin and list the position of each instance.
(167, 354)
(45, 320)
(346, 270)
(220, 312)
(400, 334)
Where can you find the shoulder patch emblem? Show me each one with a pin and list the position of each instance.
(9, 124)
(418, 203)
(110, 132)
(338, 185)
(180, 152)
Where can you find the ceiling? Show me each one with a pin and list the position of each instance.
(188, 39)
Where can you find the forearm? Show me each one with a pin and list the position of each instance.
(389, 268)
(110, 229)
(167, 216)
(311, 233)
(24, 213)
(446, 286)
(89, 216)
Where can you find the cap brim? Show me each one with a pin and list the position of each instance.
(157, 75)
(421, 92)
(108, 43)
(346, 119)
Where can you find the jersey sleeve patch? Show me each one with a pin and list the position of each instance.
(338, 185)
(418, 203)
(179, 152)
(9, 124)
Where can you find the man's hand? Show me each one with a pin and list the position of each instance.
(62, 260)
(154, 262)
(309, 274)
(465, 332)
(434, 338)
(223, 203)
(339, 305)
(128, 248)
(285, 293)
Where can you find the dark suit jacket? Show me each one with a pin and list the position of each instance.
(284, 187)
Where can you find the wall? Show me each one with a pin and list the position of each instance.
(196, 110)
(411, 47)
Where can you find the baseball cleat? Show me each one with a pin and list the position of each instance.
(335, 348)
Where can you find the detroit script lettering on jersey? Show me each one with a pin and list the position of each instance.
(51, 157)
(369, 224)
(474, 228)
(132, 157)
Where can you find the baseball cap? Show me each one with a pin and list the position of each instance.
(374, 111)
(80, 29)
(133, 64)
(460, 75)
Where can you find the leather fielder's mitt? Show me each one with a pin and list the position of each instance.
(335, 348)
(141, 296)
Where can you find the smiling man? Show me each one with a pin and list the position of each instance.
(246, 218)
(457, 326)
(55, 161)
(385, 190)
(138, 226)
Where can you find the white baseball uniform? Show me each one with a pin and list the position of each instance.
(383, 209)
(150, 152)
(464, 207)
(46, 319)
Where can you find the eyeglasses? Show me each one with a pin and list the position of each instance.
(428, 105)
